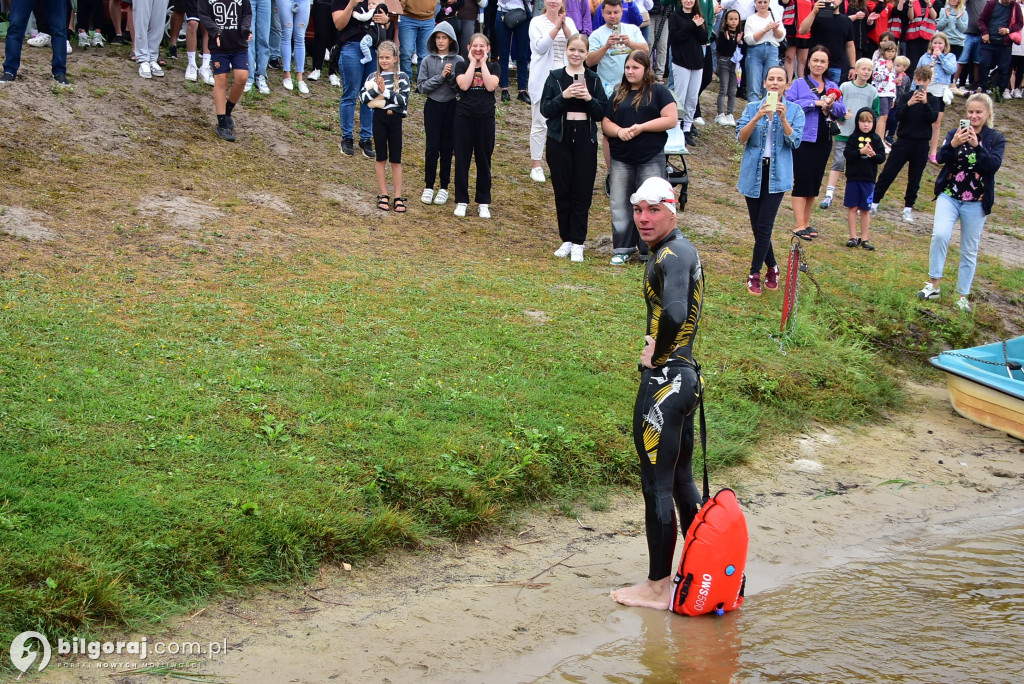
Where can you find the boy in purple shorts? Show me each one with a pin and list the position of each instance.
(229, 25)
(864, 153)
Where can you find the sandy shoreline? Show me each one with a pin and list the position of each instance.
(509, 608)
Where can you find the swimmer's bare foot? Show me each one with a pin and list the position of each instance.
(650, 594)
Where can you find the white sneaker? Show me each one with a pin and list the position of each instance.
(1016, 93)
(1006, 94)
(484, 212)
(206, 73)
(720, 120)
(83, 39)
(537, 174)
(97, 39)
(327, 54)
(908, 215)
(261, 85)
(287, 83)
(192, 73)
(303, 88)
(577, 253)
(39, 40)
(428, 196)
(964, 304)
(313, 75)
(441, 197)
(248, 87)
(699, 121)
(154, 67)
(69, 46)
(731, 119)
(874, 208)
(460, 210)
(145, 71)
(335, 80)
(564, 250)
(929, 291)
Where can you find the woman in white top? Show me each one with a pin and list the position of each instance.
(548, 34)
(762, 33)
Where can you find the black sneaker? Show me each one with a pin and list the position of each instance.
(890, 140)
(172, 52)
(505, 97)
(367, 147)
(275, 64)
(118, 39)
(524, 97)
(61, 79)
(229, 122)
(226, 133)
(7, 77)
(346, 147)
(688, 137)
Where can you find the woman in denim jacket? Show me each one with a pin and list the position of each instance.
(766, 172)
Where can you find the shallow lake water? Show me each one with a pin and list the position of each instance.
(947, 607)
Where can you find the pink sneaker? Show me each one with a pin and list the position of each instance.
(771, 279)
(754, 284)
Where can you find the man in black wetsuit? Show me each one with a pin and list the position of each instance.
(669, 388)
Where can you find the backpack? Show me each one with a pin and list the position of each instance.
(711, 575)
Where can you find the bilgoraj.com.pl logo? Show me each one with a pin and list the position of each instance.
(33, 650)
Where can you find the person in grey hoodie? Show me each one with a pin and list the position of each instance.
(436, 80)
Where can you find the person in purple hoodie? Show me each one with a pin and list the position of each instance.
(579, 12)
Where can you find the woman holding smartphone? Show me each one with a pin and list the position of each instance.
(573, 103)
(549, 33)
(770, 130)
(964, 191)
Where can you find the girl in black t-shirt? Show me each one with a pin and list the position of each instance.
(636, 121)
(474, 126)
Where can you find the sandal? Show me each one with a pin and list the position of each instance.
(803, 234)
(812, 232)
(853, 242)
(399, 205)
(867, 245)
(383, 202)
(131, 55)
(162, 62)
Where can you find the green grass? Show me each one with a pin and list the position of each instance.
(187, 411)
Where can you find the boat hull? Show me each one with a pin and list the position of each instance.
(986, 406)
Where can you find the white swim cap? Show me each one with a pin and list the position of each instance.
(654, 191)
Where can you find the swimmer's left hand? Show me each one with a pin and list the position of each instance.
(647, 356)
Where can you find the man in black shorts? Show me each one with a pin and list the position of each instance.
(670, 387)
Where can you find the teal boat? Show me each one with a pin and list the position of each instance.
(986, 384)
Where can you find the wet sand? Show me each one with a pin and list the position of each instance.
(509, 608)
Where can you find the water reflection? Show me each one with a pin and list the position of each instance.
(923, 613)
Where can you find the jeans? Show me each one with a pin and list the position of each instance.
(504, 47)
(293, 33)
(972, 222)
(353, 76)
(760, 58)
(20, 10)
(259, 46)
(625, 179)
(275, 30)
(994, 56)
(726, 86)
(687, 82)
(834, 74)
(413, 34)
(970, 51)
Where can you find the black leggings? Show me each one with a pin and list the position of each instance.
(439, 125)
(573, 165)
(90, 9)
(1018, 71)
(762, 211)
(325, 35)
(387, 135)
(663, 436)
(474, 139)
(904, 152)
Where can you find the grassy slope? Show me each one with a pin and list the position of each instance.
(187, 407)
